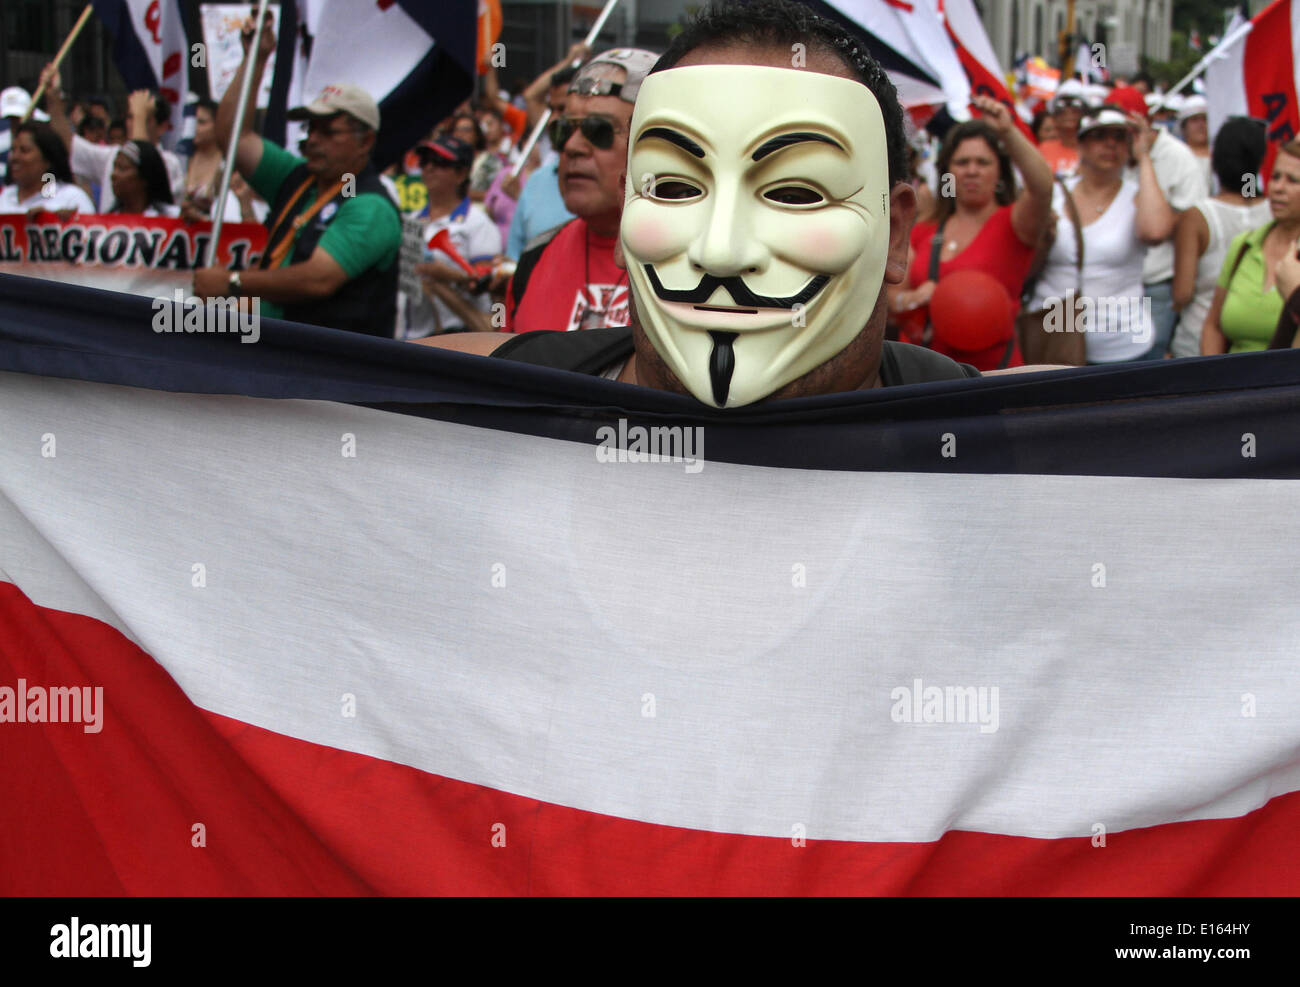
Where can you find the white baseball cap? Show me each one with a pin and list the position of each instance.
(1070, 89)
(15, 102)
(1106, 117)
(1192, 106)
(340, 98)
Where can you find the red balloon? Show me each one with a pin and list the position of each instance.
(970, 310)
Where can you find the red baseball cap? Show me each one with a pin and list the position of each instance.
(1127, 99)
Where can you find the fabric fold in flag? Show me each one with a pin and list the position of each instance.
(374, 618)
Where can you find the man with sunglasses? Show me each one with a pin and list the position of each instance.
(333, 231)
(567, 278)
(1067, 106)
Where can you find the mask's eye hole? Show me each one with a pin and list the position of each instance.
(793, 195)
(674, 190)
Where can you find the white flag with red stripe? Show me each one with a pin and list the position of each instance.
(1256, 75)
(360, 616)
(151, 51)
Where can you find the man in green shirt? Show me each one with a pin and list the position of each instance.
(333, 232)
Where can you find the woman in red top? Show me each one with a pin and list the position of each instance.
(984, 224)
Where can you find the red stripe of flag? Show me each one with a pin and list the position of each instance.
(985, 83)
(113, 813)
(1269, 70)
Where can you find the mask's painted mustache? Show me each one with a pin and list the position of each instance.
(736, 289)
(722, 364)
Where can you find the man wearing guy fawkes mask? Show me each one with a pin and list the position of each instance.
(766, 205)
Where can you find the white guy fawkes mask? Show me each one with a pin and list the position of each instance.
(756, 225)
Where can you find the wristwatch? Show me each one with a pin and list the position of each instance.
(235, 288)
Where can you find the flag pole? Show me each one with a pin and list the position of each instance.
(1217, 52)
(67, 43)
(232, 152)
(540, 127)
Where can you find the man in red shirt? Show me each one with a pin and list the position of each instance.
(566, 277)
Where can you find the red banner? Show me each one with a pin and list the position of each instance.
(144, 255)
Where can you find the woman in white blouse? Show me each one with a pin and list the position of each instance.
(40, 179)
(1119, 219)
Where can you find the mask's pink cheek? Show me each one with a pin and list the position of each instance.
(650, 233)
(824, 242)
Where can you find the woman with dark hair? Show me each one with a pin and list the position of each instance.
(140, 183)
(203, 175)
(1203, 232)
(981, 223)
(1247, 302)
(1044, 126)
(38, 152)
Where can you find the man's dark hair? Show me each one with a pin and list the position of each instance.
(206, 104)
(52, 148)
(1239, 148)
(162, 109)
(158, 188)
(91, 123)
(781, 23)
(564, 76)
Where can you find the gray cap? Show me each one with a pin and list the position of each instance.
(636, 62)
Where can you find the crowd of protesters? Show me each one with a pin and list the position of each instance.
(1112, 195)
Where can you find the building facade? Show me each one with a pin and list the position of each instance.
(1128, 29)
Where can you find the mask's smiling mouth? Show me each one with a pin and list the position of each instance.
(722, 308)
(736, 288)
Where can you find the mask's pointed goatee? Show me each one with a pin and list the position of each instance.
(722, 364)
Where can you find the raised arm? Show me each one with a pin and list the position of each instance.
(1155, 217)
(536, 93)
(248, 149)
(54, 105)
(1034, 204)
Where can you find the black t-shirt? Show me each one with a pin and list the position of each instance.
(593, 351)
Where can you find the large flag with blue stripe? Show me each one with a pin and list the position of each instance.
(151, 51)
(415, 57)
(338, 614)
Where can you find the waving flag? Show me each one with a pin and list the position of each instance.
(911, 48)
(944, 54)
(1256, 76)
(151, 51)
(336, 614)
(415, 57)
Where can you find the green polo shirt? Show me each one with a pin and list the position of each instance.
(1249, 316)
(366, 231)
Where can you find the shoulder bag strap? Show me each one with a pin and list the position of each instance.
(1073, 210)
(936, 245)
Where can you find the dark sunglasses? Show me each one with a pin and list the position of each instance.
(1117, 134)
(598, 130)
